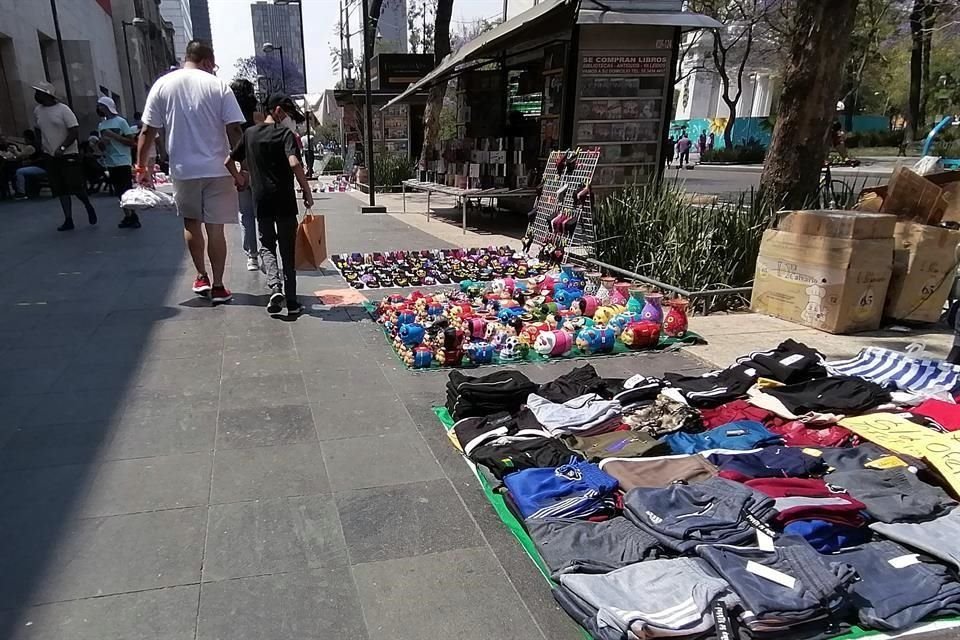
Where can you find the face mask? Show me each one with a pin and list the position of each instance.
(289, 124)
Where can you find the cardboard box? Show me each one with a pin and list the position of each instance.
(837, 285)
(914, 197)
(924, 268)
(839, 224)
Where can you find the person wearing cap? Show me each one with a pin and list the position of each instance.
(202, 119)
(272, 158)
(247, 99)
(116, 141)
(59, 130)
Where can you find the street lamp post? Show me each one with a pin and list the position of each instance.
(63, 59)
(368, 101)
(138, 23)
(303, 55)
(269, 47)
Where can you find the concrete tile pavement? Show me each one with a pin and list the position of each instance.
(732, 335)
(170, 470)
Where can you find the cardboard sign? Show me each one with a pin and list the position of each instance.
(899, 434)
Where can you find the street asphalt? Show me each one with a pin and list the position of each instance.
(173, 471)
(731, 180)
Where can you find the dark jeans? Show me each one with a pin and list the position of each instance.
(279, 232)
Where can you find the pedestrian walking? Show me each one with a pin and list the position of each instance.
(671, 149)
(117, 138)
(59, 131)
(272, 157)
(202, 120)
(247, 99)
(683, 150)
(702, 143)
(711, 141)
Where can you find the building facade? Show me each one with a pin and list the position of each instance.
(150, 47)
(392, 27)
(177, 13)
(700, 90)
(29, 53)
(279, 24)
(200, 17)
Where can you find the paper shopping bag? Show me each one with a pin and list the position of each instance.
(311, 248)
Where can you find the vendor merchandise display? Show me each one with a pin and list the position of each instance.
(674, 506)
(565, 313)
(402, 269)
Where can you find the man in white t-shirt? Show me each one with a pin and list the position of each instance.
(59, 130)
(202, 120)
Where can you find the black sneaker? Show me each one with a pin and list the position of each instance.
(92, 216)
(294, 309)
(275, 305)
(129, 222)
(66, 226)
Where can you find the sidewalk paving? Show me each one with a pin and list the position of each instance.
(172, 471)
(175, 471)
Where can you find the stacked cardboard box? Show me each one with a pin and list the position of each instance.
(826, 269)
(925, 254)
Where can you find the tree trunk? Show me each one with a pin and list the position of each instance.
(811, 83)
(929, 19)
(731, 120)
(441, 49)
(916, 68)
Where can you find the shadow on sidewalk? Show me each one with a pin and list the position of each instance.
(90, 350)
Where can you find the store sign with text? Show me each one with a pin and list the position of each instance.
(624, 65)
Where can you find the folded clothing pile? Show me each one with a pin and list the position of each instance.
(616, 444)
(657, 598)
(483, 395)
(658, 472)
(663, 415)
(576, 489)
(579, 382)
(893, 495)
(795, 433)
(767, 462)
(736, 435)
(585, 415)
(896, 587)
(569, 545)
(664, 507)
(784, 587)
(790, 362)
(714, 511)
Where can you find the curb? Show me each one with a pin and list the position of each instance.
(836, 171)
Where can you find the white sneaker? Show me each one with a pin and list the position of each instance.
(253, 264)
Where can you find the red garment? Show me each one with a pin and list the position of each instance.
(802, 434)
(738, 410)
(794, 432)
(816, 500)
(943, 413)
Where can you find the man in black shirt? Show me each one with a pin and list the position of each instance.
(273, 160)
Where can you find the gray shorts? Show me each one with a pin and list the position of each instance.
(209, 200)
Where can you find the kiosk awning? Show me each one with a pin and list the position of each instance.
(510, 32)
(488, 42)
(669, 19)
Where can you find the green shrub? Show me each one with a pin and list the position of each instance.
(334, 164)
(657, 232)
(859, 139)
(392, 168)
(946, 148)
(740, 154)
